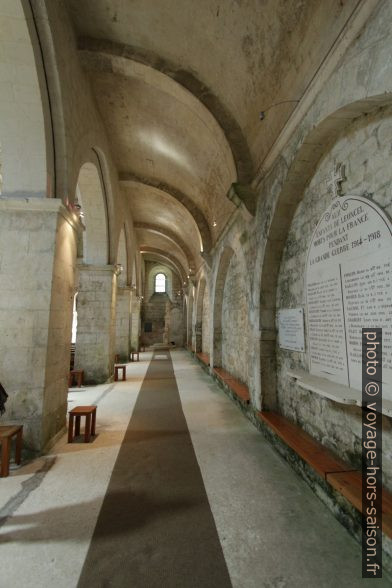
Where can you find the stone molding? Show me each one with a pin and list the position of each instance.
(86, 267)
(53, 205)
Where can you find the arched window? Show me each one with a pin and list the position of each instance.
(160, 283)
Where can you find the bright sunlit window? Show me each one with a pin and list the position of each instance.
(160, 283)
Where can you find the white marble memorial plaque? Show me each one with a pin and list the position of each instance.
(291, 329)
(349, 287)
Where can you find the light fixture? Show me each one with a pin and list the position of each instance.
(118, 269)
(214, 223)
(76, 209)
(262, 112)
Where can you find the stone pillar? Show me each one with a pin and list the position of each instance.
(189, 317)
(216, 349)
(198, 337)
(268, 369)
(167, 329)
(135, 321)
(96, 308)
(37, 274)
(123, 312)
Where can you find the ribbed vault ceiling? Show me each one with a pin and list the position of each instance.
(180, 84)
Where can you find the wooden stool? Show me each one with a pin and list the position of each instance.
(124, 372)
(6, 434)
(133, 355)
(78, 377)
(90, 412)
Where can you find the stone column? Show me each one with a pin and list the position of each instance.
(96, 308)
(37, 274)
(268, 368)
(198, 337)
(189, 317)
(216, 349)
(135, 321)
(123, 312)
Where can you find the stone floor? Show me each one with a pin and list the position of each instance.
(273, 530)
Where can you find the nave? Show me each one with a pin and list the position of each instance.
(178, 489)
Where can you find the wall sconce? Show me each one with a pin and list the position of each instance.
(262, 113)
(118, 269)
(133, 287)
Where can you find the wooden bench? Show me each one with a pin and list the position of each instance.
(349, 484)
(90, 412)
(78, 375)
(344, 479)
(238, 388)
(117, 368)
(6, 434)
(204, 358)
(310, 450)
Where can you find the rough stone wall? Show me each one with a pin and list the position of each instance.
(96, 304)
(135, 323)
(176, 332)
(154, 313)
(123, 323)
(163, 310)
(235, 322)
(205, 329)
(364, 148)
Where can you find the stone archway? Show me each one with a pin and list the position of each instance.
(123, 301)
(216, 350)
(91, 197)
(297, 176)
(97, 281)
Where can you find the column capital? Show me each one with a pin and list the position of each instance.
(89, 267)
(52, 205)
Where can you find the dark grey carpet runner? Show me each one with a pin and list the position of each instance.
(155, 527)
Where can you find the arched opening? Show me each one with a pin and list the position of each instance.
(91, 197)
(122, 260)
(369, 179)
(307, 158)
(74, 319)
(96, 332)
(160, 283)
(123, 301)
(235, 331)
